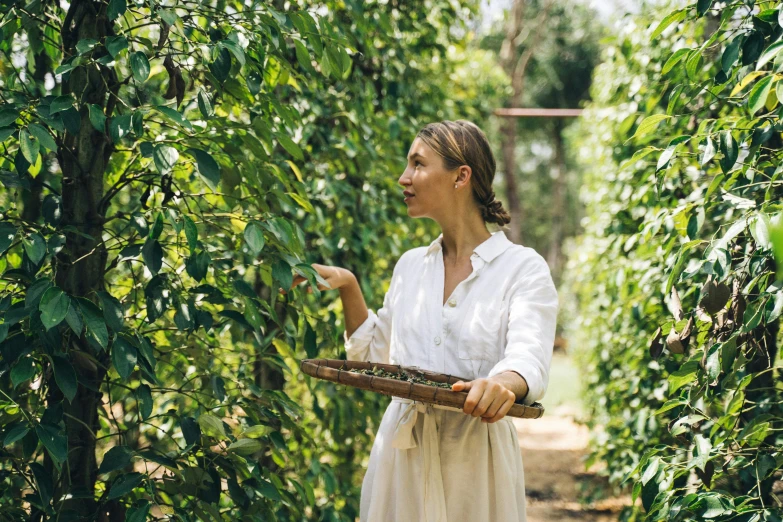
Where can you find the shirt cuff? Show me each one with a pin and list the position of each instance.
(357, 347)
(535, 383)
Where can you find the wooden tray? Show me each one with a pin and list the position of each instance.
(337, 370)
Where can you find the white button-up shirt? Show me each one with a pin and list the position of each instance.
(501, 317)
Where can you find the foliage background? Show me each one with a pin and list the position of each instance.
(678, 302)
(166, 169)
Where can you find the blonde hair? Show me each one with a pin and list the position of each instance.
(460, 143)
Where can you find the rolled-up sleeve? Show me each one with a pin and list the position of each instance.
(530, 340)
(372, 340)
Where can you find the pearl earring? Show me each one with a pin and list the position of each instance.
(455, 185)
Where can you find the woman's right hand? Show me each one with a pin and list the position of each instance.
(335, 276)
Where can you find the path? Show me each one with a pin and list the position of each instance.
(552, 451)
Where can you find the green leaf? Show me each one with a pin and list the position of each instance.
(731, 54)
(303, 57)
(289, 145)
(666, 156)
(35, 247)
(157, 226)
(212, 426)
(113, 313)
(708, 153)
(222, 64)
(205, 105)
(15, 434)
(116, 458)
(23, 370)
(65, 376)
(235, 49)
(29, 146)
(729, 149)
(197, 265)
(675, 17)
(124, 357)
(7, 234)
(60, 103)
(674, 59)
(686, 374)
(702, 6)
(140, 66)
(692, 64)
(245, 446)
(139, 512)
(74, 319)
(124, 485)
(648, 125)
(152, 253)
(93, 319)
(54, 307)
(714, 184)
(768, 54)
(191, 431)
(97, 117)
(254, 235)
(207, 167)
(728, 353)
(184, 317)
(758, 95)
(116, 44)
(52, 211)
(155, 298)
(54, 440)
(43, 136)
(85, 45)
(191, 233)
(120, 127)
(144, 396)
(268, 490)
(175, 116)
(254, 432)
(164, 157)
(8, 116)
(251, 314)
(146, 351)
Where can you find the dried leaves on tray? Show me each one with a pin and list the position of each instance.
(400, 376)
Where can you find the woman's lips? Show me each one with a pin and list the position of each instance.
(408, 198)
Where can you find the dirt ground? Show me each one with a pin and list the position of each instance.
(552, 451)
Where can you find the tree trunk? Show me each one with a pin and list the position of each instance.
(80, 265)
(559, 188)
(515, 65)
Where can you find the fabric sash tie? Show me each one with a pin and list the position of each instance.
(434, 496)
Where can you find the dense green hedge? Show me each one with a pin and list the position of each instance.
(165, 171)
(679, 303)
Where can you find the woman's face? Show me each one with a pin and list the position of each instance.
(428, 186)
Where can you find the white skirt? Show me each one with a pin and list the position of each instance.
(434, 463)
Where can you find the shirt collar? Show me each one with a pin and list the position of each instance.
(488, 250)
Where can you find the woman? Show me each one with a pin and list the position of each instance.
(471, 304)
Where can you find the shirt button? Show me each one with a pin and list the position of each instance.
(437, 340)
(452, 303)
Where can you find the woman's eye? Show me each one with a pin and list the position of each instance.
(417, 163)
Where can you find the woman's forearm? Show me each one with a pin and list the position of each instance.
(514, 382)
(354, 307)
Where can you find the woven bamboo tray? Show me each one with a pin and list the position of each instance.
(337, 370)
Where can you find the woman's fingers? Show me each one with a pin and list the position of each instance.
(493, 408)
(487, 398)
(297, 279)
(500, 414)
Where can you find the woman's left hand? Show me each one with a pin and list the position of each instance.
(487, 398)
